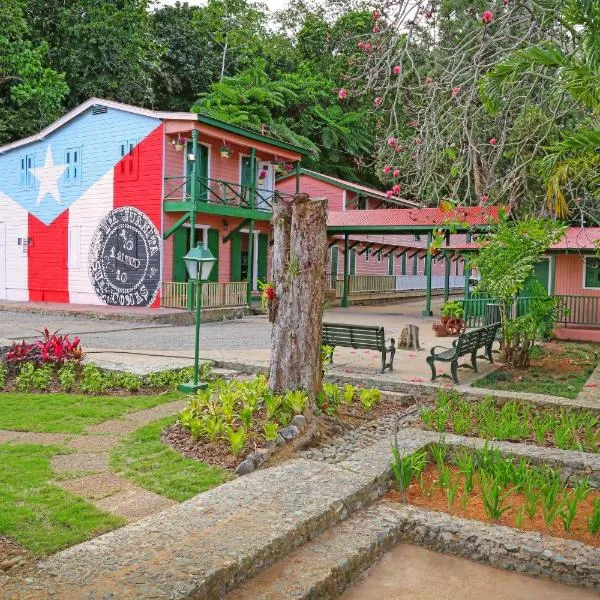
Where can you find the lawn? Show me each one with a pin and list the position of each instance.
(143, 459)
(69, 413)
(34, 511)
(557, 369)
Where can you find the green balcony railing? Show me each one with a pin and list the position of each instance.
(573, 310)
(218, 191)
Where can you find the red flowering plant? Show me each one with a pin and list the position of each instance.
(267, 294)
(52, 348)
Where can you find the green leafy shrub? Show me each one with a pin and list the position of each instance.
(407, 468)
(93, 380)
(127, 381)
(295, 400)
(349, 393)
(32, 378)
(452, 308)
(369, 397)
(270, 431)
(594, 520)
(2, 376)
(237, 440)
(67, 375)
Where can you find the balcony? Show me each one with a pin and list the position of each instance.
(221, 197)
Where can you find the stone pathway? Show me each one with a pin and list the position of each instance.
(90, 459)
(591, 389)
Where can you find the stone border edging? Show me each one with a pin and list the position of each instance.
(568, 463)
(527, 552)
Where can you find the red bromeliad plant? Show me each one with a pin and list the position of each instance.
(52, 348)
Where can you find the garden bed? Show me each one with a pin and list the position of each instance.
(567, 429)
(242, 421)
(488, 487)
(556, 369)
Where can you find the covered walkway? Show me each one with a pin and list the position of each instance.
(415, 221)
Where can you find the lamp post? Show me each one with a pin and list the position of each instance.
(199, 262)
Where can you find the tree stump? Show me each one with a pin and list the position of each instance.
(409, 338)
(299, 263)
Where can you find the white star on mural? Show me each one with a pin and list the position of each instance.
(48, 176)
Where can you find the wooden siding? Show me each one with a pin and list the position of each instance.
(569, 276)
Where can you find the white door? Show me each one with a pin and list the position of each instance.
(265, 185)
(2, 261)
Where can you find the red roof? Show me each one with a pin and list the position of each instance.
(405, 217)
(579, 238)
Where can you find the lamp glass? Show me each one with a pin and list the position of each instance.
(199, 262)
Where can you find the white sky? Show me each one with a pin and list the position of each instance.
(272, 4)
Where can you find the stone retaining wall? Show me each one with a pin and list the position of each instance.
(566, 561)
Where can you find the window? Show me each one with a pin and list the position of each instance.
(403, 264)
(378, 255)
(26, 171)
(391, 263)
(128, 165)
(417, 237)
(367, 254)
(591, 273)
(72, 174)
(361, 203)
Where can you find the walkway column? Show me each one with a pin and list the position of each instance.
(346, 269)
(194, 199)
(447, 266)
(467, 270)
(427, 312)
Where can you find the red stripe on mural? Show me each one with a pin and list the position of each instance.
(138, 180)
(47, 259)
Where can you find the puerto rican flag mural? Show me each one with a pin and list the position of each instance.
(81, 212)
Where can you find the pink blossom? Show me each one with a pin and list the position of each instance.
(399, 149)
(484, 198)
(376, 14)
(387, 169)
(375, 28)
(377, 102)
(342, 93)
(396, 172)
(493, 141)
(418, 141)
(367, 47)
(361, 44)
(455, 91)
(397, 69)
(487, 17)
(391, 141)
(396, 189)
(429, 81)
(506, 2)
(389, 193)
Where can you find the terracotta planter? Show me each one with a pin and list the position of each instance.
(261, 181)
(444, 320)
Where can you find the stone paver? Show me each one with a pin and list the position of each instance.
(93, 443)
(9, 436)
(95, 487)
(116, 427)
(134, 503)
(94, 462)
(31, 437)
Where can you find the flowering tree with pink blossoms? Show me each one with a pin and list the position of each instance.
(457, 123)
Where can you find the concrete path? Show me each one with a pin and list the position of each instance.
(90, 459)
(413, 573)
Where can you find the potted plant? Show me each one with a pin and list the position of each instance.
(262, 176)
(226, 150)
(179, 143)
(451, 309)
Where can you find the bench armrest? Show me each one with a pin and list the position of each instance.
(442, 347)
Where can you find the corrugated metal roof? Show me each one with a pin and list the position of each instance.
(579, 238)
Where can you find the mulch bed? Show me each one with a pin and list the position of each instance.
(328, 428)
(474, 509)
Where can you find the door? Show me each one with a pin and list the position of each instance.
(2, 261)
(265, 185)
(202, 158)
(213, 246)
(391, 263)
(246, 180)
(541, 273)
(334, 266)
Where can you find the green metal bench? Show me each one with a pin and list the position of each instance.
(367, 337)
(467, 343)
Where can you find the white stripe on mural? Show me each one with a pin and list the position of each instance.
(84, 216)
(16, 282)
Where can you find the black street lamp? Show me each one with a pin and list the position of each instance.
(199, 262)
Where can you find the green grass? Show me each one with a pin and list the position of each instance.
(38, 514)
(557, 369)
(69, 413)
(144, 460)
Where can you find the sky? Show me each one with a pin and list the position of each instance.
(272, 4)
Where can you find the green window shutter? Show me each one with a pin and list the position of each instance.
(202, 157)
(391, 263)
(213, 246)
(415, 264)
(592, 273)
(403, 264)
(180, 248)
(352, 262)
(236, 257)
(263, 255)
(334, 262)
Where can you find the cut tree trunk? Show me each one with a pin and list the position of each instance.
(409, 338)
(299, 262)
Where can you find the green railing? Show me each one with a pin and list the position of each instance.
(573, 310)
(218, 191)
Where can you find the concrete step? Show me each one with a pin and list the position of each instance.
(324, 567)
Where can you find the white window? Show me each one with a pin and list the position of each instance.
(367, 254)
(72, 174)
(26, 171)
(128, 165)
(591, 273)
(378, 255)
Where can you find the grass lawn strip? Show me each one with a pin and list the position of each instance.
(557, 369)
(143, 459)
(37, 513)
(68, 413)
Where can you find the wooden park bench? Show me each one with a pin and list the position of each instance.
(467, 343)
(368, 337)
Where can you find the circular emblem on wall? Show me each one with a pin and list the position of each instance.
(124, 260)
